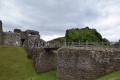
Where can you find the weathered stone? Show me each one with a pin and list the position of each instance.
(86, 63)
(11, 38)
(18, 37)
(17, 31)
(44, 61)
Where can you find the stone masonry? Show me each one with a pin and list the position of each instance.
(86, 63)
(43, 61)
(18, 37)
(11, 38)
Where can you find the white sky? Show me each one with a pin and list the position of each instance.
(52, 17)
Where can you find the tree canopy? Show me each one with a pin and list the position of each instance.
(84, 34)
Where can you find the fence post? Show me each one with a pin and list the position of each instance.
(97, 45)
(107, 43)
(102, 44)
(119, 43)
(79, 43)
(72, 43)
(87, 43)
(65, 43)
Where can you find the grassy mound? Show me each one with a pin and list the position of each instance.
(14, 65)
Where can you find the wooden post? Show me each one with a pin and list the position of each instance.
(107, 43)
(65, 43)
(72, 43)
(87, 43)
(79, 43)
(97, 43)
(119, 43)
(102, 44)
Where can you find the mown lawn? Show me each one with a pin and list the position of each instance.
(111, 76)
(14, 65)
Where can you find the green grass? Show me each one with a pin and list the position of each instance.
(111, 76)
(14, 65)
(56, 51)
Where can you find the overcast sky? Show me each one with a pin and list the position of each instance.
(52, 17)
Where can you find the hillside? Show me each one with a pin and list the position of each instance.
(60, 39)
(14, 65)
(83, 34)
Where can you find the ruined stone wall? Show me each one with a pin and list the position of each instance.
(31, 32)
(86, 63)
(11, 38)
(1, 32)
(43, 61)
(33, 37)
(17, 31)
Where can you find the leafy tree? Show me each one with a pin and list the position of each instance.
(83, 34)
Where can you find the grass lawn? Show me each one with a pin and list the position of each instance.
(14, 65)
(111, 76)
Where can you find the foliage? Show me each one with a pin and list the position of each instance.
(105, 40)
(60, 39)
(84, 34)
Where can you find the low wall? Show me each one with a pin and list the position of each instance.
(86, 63)
(44, 61)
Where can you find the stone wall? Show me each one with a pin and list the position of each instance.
(33, 37)
(1, 32)
(11, 38)
(17, 31)
(86, 63)
(43, 61)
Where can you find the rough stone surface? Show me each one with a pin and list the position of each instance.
(31, 32)
(11, 38)
(44, 61)
(17, 31)
(86, 63)
(18, 37)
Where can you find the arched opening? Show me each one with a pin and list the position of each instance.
(22, 42)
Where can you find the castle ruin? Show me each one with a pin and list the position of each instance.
(18, 37)
(43, 60)
(71, 63)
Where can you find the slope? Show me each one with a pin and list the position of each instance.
(14, 65)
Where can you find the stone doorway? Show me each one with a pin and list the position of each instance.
(22, 42)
